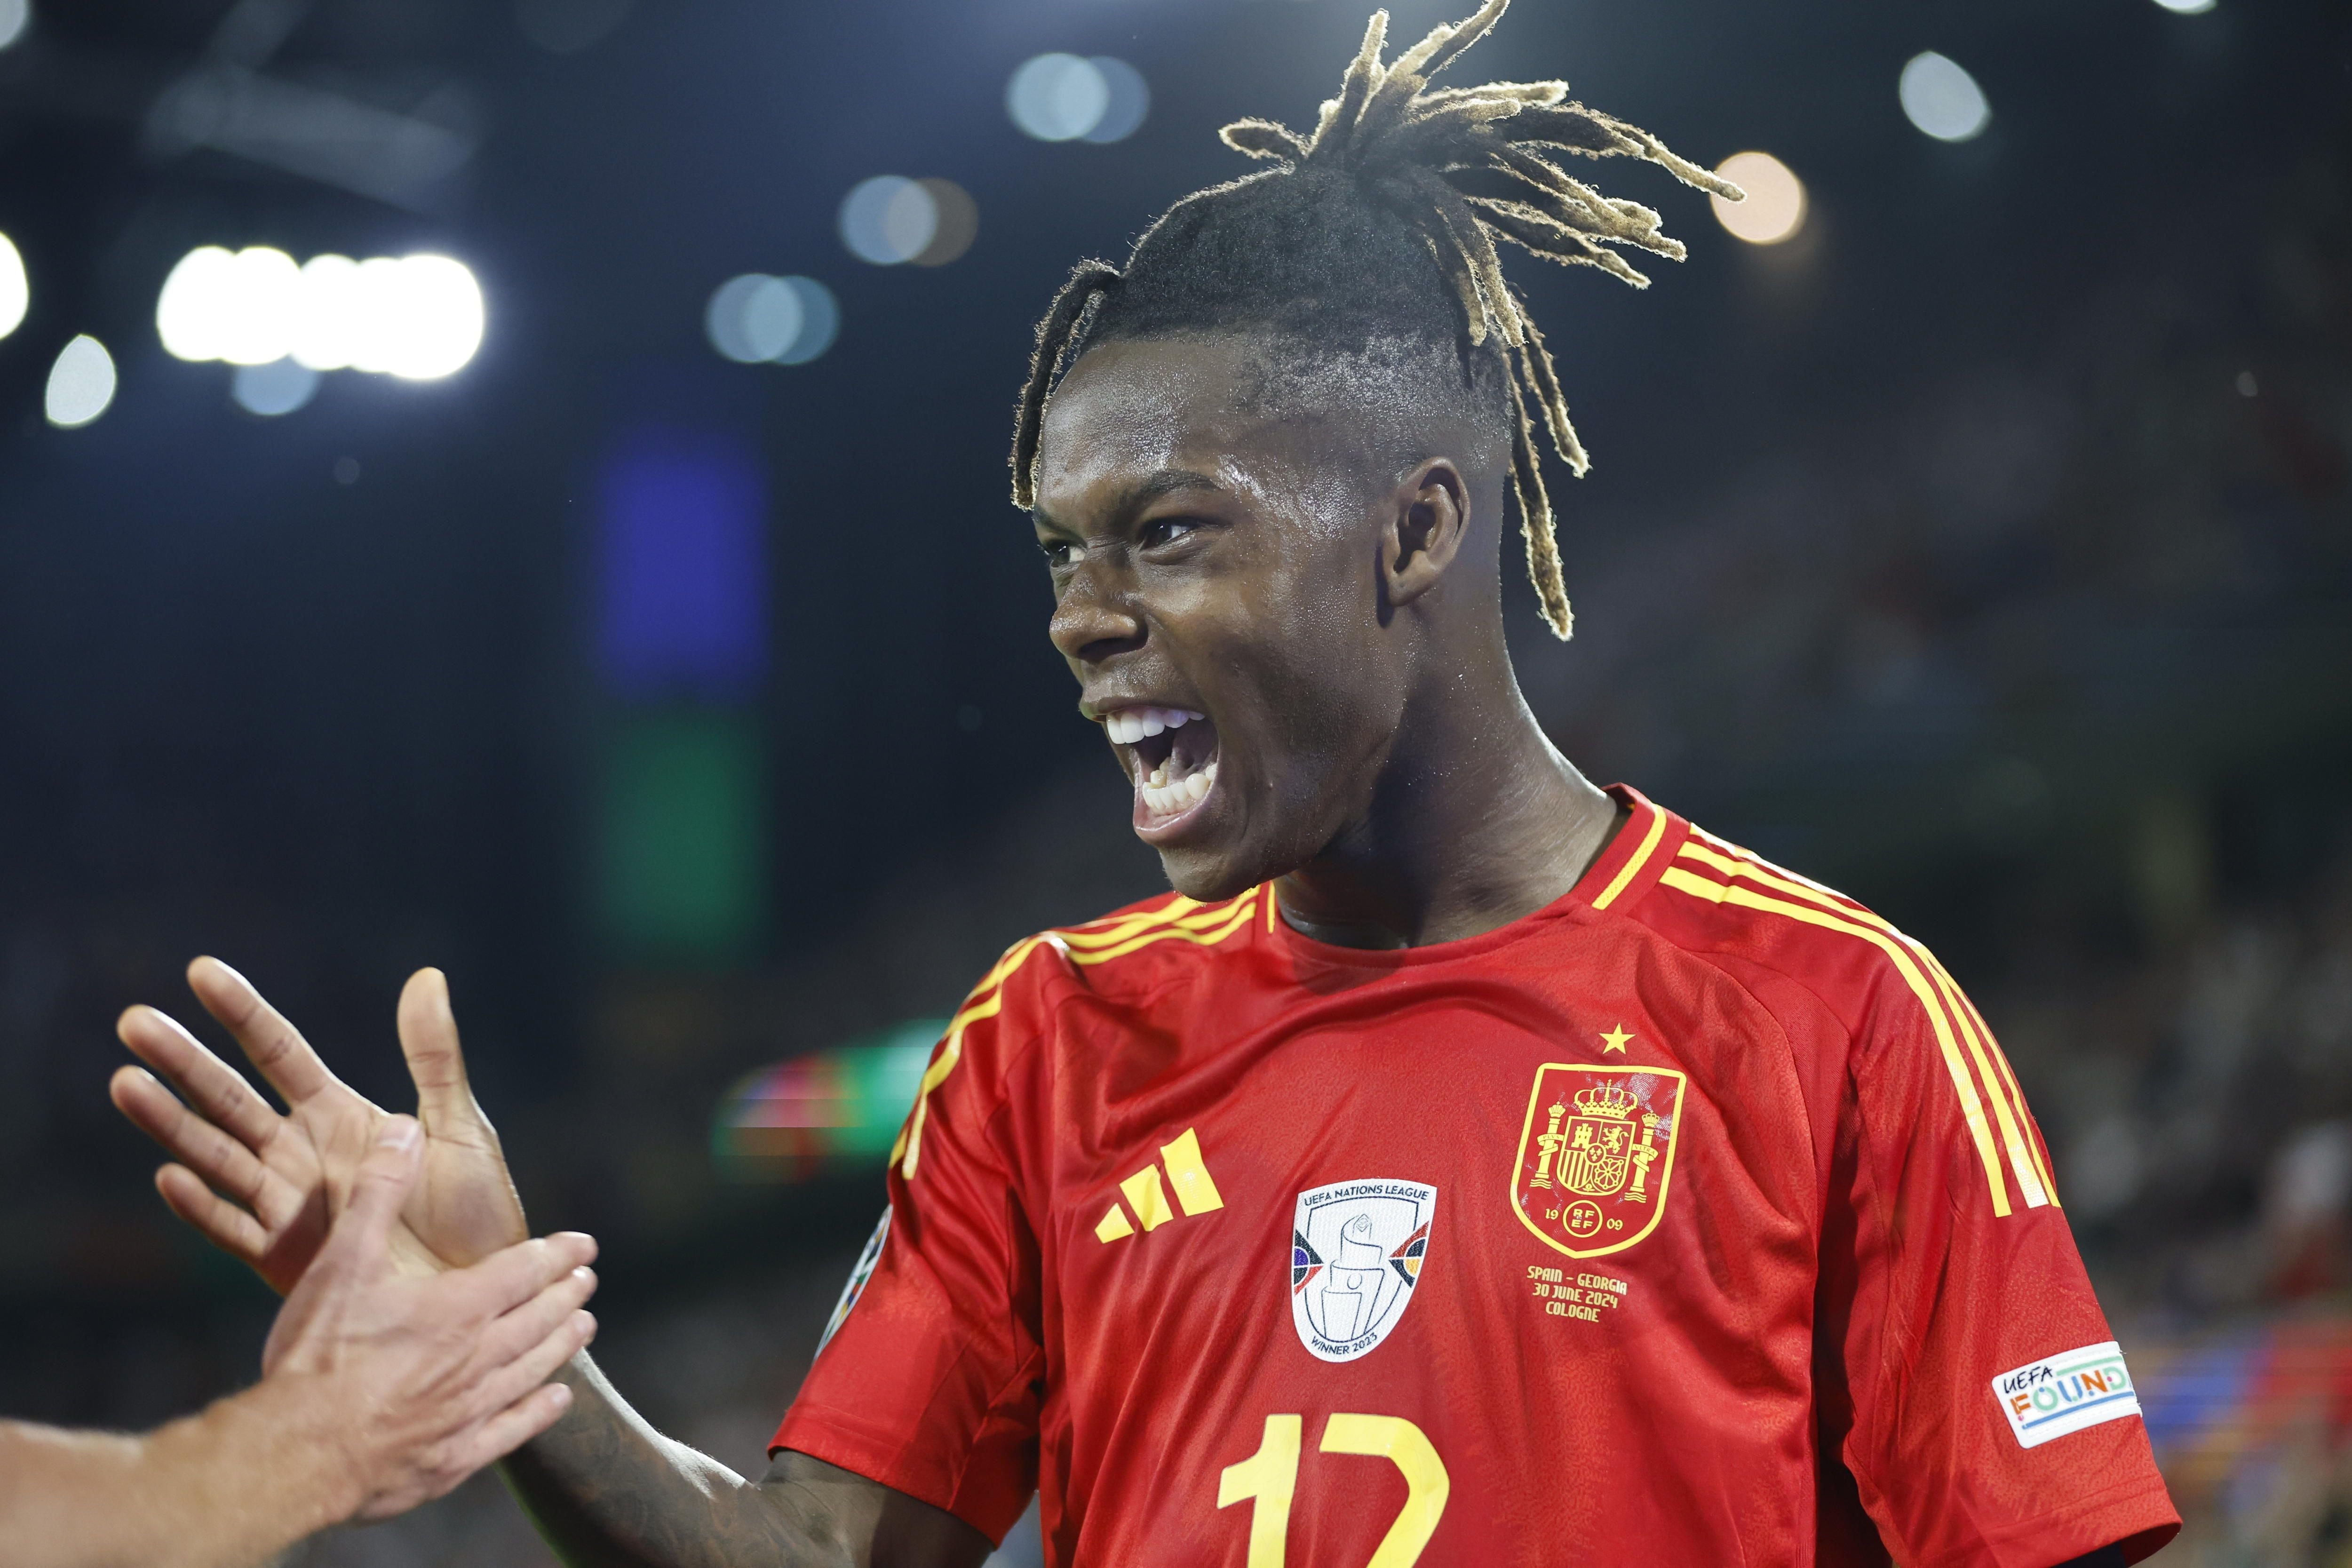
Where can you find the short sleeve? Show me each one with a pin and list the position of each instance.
(930, 1376)
(1970, 1380)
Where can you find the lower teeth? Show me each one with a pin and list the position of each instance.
(1167, 796)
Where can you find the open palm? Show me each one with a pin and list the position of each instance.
(265, 1187)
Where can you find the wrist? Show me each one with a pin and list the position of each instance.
(292, 1449)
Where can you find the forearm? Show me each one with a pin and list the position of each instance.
(225, 1489)
(606, 1490)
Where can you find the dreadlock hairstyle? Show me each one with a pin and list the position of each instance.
(1313, 250)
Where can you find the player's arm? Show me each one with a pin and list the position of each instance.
(1951, 1279)
(380, 1391)
(607, 1490)
(604, 1487)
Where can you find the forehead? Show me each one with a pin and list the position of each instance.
(1133, 409)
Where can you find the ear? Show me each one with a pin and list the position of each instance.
(1428, 521)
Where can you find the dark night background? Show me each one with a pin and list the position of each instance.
(1985, 551)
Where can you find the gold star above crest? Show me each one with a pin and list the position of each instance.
(1615, 1040)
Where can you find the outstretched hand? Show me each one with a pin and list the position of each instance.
(418, 1382)
(266, 1187)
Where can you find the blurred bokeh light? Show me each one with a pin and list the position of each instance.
(280, 386)
(1072, 98)
(419, 318)
(15, 289)
(81, 383)
(887, 219)
(1775, 205)
(755, 319)
(15, 16)
(1941, 98)
(840, 1107)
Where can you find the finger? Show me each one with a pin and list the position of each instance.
(542, 1360)
(272, 1044)
(225, 1163)
(220, 1222)
(216, 1088)
(513, 1335)
(513, 1274)
(516, 1425)
(428, 1039)
(361, 1238)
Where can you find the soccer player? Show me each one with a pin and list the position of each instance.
(378, 1392)
(1467, 1164)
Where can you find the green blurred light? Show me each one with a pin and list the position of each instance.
(684, 834)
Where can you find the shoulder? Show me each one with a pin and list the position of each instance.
(1121, 959)
(1916, 1043)
(1780, 931)
(1125, 954)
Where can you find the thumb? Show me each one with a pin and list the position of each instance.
(428, 1039)
(363, 1232)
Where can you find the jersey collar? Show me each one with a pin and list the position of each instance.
(1626, 870)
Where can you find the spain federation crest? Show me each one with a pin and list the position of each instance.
(1597, 1156)
(1356, 1253)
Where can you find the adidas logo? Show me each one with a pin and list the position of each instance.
(1147, 1194)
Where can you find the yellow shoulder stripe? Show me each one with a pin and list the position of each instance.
(1098, 933)
(1182, 920)
(2001, 1084)
(1971, 1107)
(1206, 929)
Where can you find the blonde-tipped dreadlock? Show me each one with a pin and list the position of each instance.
(1462, 167)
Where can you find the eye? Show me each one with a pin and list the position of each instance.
(1166, 531)
(1060, 554)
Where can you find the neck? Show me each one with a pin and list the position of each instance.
(1476, 819)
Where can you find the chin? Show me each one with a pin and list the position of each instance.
(1209, 874)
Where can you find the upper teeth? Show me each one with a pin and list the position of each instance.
(1130, 725)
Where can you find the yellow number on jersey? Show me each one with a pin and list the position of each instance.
(1270, 1476)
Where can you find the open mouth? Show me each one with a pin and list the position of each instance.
(1172, 755)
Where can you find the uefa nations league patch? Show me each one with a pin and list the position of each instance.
(857, 1279)
(1356, 1252)
(2062, 1394)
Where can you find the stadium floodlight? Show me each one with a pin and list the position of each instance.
(416, 317)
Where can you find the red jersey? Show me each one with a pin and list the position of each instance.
(1695, 1219)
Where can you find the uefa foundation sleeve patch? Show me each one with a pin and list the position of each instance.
(2062, 1394)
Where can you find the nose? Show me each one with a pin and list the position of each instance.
(1092, 621)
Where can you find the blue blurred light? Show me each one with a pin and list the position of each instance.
(820, 320)
(888, 220)
(1057, 97)
(756, 319)
(281, 386)
(1129, 100)
(683, 567)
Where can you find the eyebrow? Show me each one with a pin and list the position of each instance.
(1167, 481)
